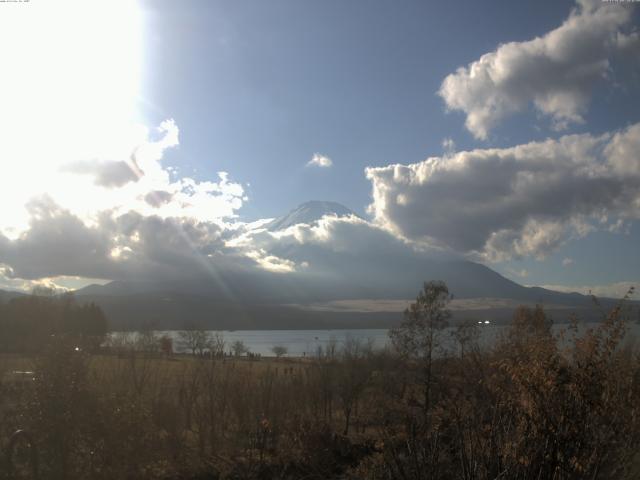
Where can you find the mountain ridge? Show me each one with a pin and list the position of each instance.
(260, 299)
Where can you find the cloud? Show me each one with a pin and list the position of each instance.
(347, 253)
(448, 146)
(271, 263)
(116, 246)
(74, 103)
(495, 204)
(59, 283)
(331, 259)
(567, 261)
(106, 173)
(319, 261)
(78, 167)
(144, 161)
(130, 178)
(158, 198)
(57, 243)
(556, 73)
(320, 160)
(117, 214)
(522, 273)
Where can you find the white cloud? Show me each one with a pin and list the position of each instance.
(320, 160)
(271, 263)
(522, 273)
(346, 247)
(527, 200)
(59, 283)
(69, 127)
(136, 181)
(448, 146)
(556, 73)
(567, 261)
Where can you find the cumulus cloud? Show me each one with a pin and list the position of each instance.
(348, 249)
(78, 168)
(118, 214)
(556, 73)
(324, 259)
(567, 262)
(130, 178)
(319, 160)
(57, 243)
(495, 204)
(116, 246)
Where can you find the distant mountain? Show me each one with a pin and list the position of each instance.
(341, 276)
(328, 293)
(118, 288)
(297, 301)
(309, 212)
(6, 295)
(164, 311)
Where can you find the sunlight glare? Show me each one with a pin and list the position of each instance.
(68, 92)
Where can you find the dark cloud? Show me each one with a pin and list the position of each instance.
(115, 247)
(57, 243)
(109, 174)
(157, 198)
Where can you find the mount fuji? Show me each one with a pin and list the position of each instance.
(351, 283)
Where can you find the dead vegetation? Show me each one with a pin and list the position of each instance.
(533, 406)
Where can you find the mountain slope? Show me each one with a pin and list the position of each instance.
(350, 270)
(6, 295)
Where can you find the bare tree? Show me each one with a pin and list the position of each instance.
(239, 348)
(196, 340)
(352, 376)
(466, 335)
(279, 350)
(417, 336)
(147, 341)
(217, 344)
(121, 342)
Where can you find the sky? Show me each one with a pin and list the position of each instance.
(503, 132)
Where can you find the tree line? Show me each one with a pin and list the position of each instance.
(27, 323)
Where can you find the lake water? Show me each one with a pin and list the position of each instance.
(306, 342)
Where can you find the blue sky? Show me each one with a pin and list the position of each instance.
(259, 87)
(502, 132)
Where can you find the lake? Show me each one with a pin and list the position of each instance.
(306, 342)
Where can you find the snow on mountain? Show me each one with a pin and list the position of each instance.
(309, 212)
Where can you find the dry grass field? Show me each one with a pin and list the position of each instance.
(532, 406)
